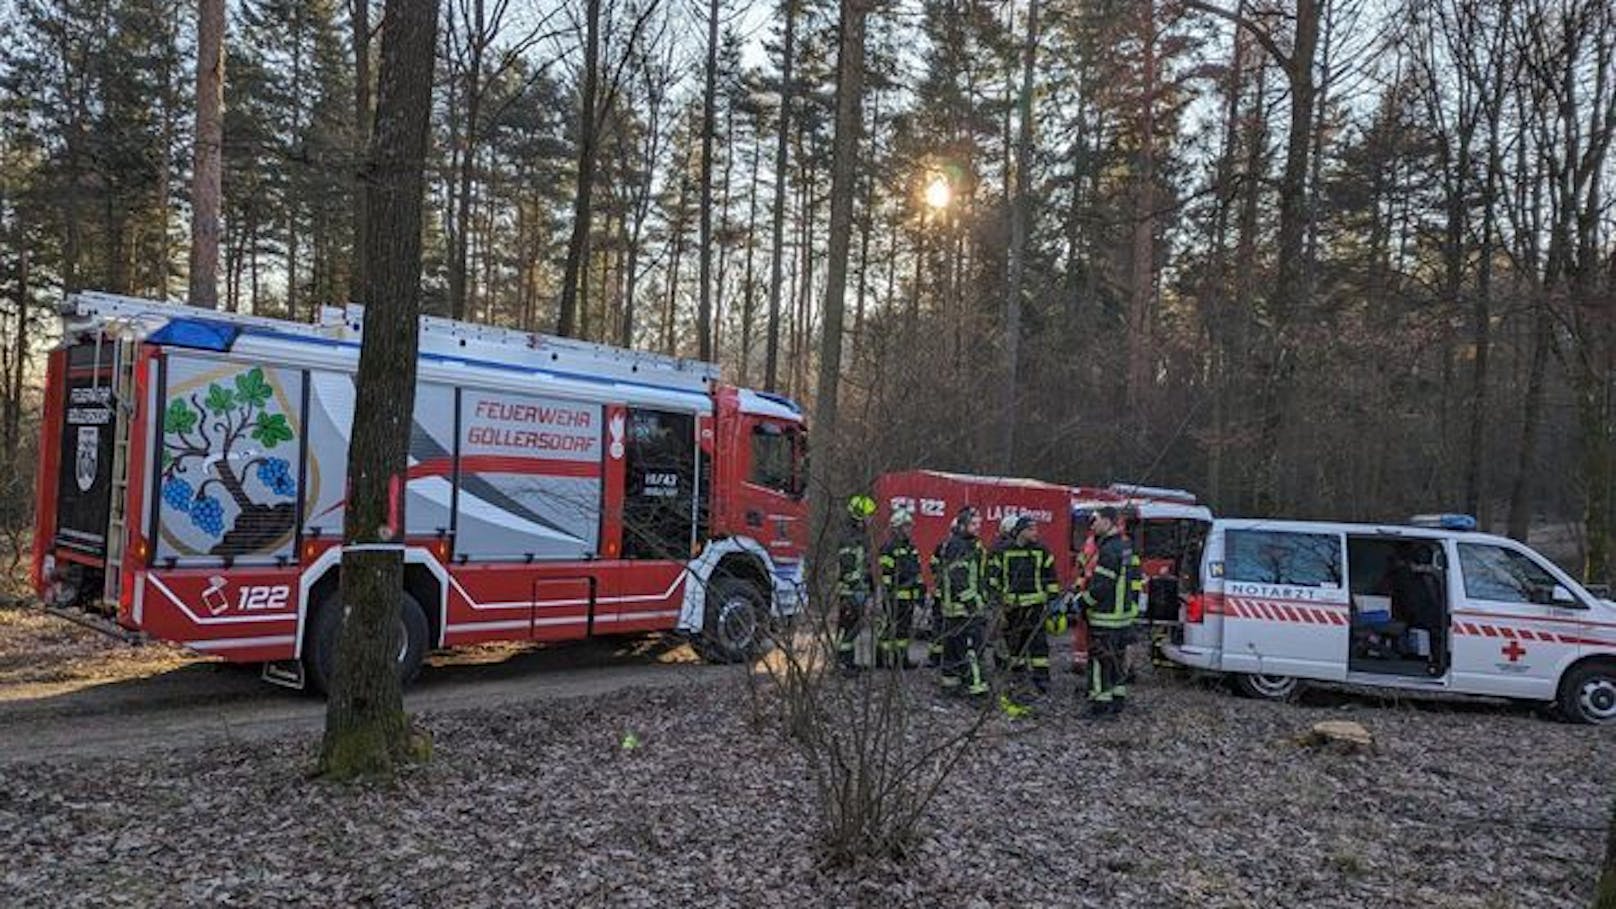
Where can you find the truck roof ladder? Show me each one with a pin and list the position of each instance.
(443, 338)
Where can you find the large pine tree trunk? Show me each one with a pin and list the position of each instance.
(577, 246)
(704, 298)
(208, 160)
(461, 229)
(843, 178)
(1020, 226)
(362, 116)
(366, 730)
(782, 149)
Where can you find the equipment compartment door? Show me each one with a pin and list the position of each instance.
(659, 511)
(84, 487)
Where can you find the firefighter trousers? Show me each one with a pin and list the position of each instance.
(963, 637)
(1027, 647)
(1108, 666)
(934, 647)
(849, 622)
(897, 624)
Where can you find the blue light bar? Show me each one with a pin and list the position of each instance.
(1446, 521)
(196, 334)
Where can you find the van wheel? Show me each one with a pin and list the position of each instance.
(735, 623)
(1588, 695)
(320, 651)
(1267, 687)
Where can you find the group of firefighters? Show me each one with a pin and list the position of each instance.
(1006, 595)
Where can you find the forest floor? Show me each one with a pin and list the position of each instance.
(1195, 798)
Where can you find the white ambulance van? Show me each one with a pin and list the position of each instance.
(1432, 606)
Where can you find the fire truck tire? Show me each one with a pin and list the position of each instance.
(1267, 687)
(734, 628)
(320, 654)
(1588, 694)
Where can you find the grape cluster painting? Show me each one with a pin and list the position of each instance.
(228, 482)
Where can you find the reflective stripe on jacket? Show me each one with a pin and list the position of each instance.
(1111, 599)
(1024, 575)
(900, 569)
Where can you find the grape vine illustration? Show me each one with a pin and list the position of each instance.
(201, 462)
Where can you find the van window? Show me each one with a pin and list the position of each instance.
(1503, 575)
(1282, 557)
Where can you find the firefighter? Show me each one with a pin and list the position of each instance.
(1111, 607)
(959, 569)
(1027, 589)
(902, 592)
(853, 579)
(1002, 540)
(1085, 573)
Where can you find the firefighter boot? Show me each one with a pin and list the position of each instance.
(976, 685)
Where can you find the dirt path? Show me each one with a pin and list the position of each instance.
(63, 692)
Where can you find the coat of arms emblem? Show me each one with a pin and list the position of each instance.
(85, 461)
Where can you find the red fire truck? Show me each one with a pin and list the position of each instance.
(935, 496)
(191, 486)
(1166, 526)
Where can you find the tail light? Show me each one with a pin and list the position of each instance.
(1194, 608)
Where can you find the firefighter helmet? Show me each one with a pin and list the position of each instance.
(1008, 524)
(860, 507)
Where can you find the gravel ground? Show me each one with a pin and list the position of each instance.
(1197, 798)
(40, 653)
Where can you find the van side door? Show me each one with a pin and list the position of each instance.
(1285, 603)
(1511, 637)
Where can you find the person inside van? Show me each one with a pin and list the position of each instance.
(1411, 583)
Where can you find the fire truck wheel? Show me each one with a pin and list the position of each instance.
(321, 651)
(1267, 687)
(1588, 694)
(733, 629)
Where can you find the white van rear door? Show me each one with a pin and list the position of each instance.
(1285, 603)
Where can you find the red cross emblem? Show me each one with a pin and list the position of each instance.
(1514, 651)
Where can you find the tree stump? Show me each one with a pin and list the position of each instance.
(1343, 736)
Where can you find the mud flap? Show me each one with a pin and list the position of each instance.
(285, 673)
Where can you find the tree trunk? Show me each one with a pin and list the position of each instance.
(207, 163)
(1520, 511)
(19, 357)
(782, 148)
(1020, 225)
(1142, 265)
(704, 294)
(362, 118)
(460, 231)
(577, 246)
(367, 732)
(1605, 897)
(748, 304)
(843, 179)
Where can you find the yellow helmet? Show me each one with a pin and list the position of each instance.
(860, 507)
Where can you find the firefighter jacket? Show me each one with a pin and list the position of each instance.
(1111, 600)
(959, 568)
(853, 562)
(1023, 575)
(900, 569)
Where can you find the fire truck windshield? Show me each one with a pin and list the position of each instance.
(779, 458)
